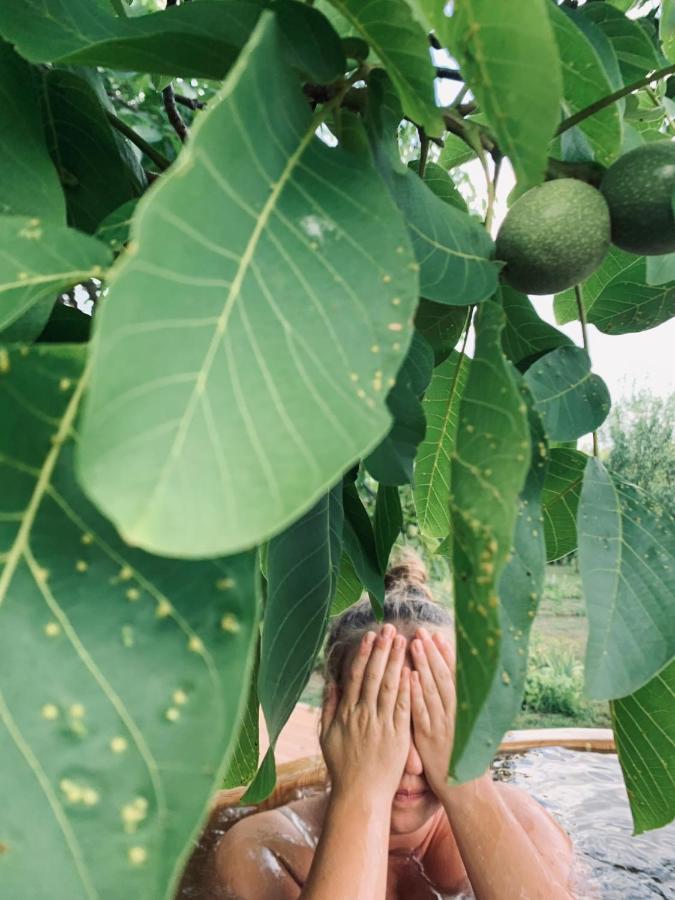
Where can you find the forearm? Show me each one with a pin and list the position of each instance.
(351, 859)
(500, 859)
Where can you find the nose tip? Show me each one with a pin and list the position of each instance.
(413, 764)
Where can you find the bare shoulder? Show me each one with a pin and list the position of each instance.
(536, 820)
(253, 862)
(269, 854)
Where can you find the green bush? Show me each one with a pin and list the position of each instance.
(554, 682)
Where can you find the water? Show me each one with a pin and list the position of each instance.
(584, 791)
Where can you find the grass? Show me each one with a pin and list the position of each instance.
(553, 692)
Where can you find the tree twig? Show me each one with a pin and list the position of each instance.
(595, 107)
(158, 158)
(584, 338)
(424, 151)
(189, 102)
(172, 113)
(450, 74)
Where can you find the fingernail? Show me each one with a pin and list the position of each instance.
(369, 637)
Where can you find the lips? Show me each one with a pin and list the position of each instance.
(409, 796)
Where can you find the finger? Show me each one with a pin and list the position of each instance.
(354, 680)
(402, 707)
(432, 698)
(420, 713)
(329, 707)
(439, 669)
(447, 650)
(392, 677)
(376, 666)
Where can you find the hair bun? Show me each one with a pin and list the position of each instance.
(407, 571)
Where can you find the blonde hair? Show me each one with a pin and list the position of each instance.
(407, 600)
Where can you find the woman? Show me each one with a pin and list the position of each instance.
(391, 827)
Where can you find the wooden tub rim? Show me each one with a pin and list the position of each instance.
(310, 771)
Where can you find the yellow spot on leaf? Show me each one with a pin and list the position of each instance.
(172, 714)
(229, 623)
(395, 326)
(4, 361)
(133, 594)
(81, 566)
(52, 629)
(163, 609)
(196, 645)
(50, 712)
(180, 697)
(87, 538)
(125, 573)
(118, 744)
(76, 710)
(65, 384)
(137, 855)
(225, 584)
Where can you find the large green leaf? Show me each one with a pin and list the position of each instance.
(391, 462)
(29, 184)
(560, 500)
(644, 731)
(302, 569)
(489, 466)
(627, 562)
(37, 262)
(402, 47)
(453, 249)
(348, 588)
(432, 465)
(441, 325)
(635, 51)
(584, 82)
(361, 546)
(98, 168)
(237, 342)
(520, 590)
(527, 336)
(440, 183)
(123, 675)
(667, 28)
(612, 269)
(569, 398)
(195, 39)
(243, 762)
(387, 522)
(507, 52)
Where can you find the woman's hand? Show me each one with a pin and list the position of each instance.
(365, 734)
(434, 701)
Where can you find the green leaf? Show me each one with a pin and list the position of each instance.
(360, 546)
(455, 152)
(98, 167)
(627, 303)
(667, 29)
(388, 522)
(569, 398)
(29, 184)
(302, 569)
(635, 51)
(508, 55)
(560, 500)
(520, 590)
(453, 250)
(612, 269)
(403, 49)
(440, 183)
(627, 563)
(115, 715)
(432, 465)
(114, 229)
(348, 588)
(489, 466)
(660, 269)
(644, 731)
(244, 759)
(441, 325)
(526, 336)
(232, 435)
(199, 40)
(584, 82)
(38, 261)
(311, 43)
(391, 462)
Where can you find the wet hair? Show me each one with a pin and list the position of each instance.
(407, 601)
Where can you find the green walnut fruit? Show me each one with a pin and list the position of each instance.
(554, 236)
(638, 189)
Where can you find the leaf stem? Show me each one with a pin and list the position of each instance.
(595, 107)
(172, 114)
(158, 158)
(584, 338)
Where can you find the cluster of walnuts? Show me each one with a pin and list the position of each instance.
(558, 233)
